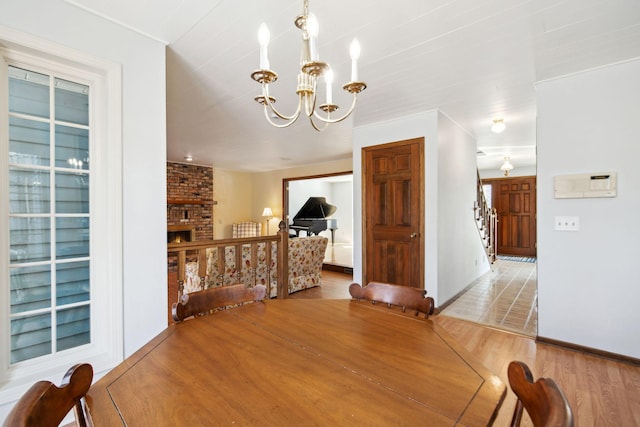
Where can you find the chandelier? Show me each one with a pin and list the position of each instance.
(311, 68)
(507, 166)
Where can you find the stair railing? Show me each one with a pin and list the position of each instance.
(486, 219)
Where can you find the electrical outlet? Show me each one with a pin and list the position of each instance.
(567, 223)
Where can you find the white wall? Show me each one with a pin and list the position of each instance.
(144, 278)
(588, 280)
(461, 256)
(342, 196)
(232, 191)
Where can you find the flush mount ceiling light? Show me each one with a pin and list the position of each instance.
(311, 69)
(498, 125)
(188, 158)
(506, 166)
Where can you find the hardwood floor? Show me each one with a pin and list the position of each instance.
(601, 392)
(335, 285)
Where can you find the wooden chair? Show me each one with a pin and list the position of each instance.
(46, 405)
(403, 296)
(203, 302)
(543, 400)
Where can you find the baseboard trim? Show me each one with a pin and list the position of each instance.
(590, 350)
(338, 268)
(453, 298)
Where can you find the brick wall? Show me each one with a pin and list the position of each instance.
(190, 183)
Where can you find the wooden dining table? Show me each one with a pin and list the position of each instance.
(297, 362)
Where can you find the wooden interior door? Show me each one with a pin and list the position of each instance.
(515, 201)
(393, 202)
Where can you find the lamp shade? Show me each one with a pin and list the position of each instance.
(267, 212)
(507, 165)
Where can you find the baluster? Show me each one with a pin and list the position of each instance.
(202, 267)
(180, 289)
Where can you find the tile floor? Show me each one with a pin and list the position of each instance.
(505, 298)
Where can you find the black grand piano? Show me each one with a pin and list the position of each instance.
(312, 217)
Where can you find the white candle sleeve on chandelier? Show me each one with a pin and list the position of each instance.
(354, 51)
(313, 28)
(328, 79)
(263, 39)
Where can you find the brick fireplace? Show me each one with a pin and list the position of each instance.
(189, 202)
(180, 234)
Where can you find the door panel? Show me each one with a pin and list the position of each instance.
(392, 224)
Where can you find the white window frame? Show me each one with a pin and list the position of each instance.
(107, 336)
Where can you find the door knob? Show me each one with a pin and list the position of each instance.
(413, 235)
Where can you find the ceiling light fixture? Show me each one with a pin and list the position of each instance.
(506, 166)
(311, 68)
(188, 158)
(498, 125)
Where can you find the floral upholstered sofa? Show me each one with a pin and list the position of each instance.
(305, 262)
(306, 255)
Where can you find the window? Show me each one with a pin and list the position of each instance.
(49, 261)
(486, 189)
(60, 212)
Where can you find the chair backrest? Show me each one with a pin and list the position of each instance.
(203, 302)
(543, 400)
(403, 296)
(46, 405)
(246, 229)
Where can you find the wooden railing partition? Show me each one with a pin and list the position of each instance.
(197, 251)
(487, 222)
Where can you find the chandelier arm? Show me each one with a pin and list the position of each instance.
(309, 104)
(339, 119)
(292, 118)
(288, 123)
(319, 129)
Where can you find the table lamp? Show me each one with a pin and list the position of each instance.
(267, 213)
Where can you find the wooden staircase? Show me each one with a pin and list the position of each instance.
(486, 219)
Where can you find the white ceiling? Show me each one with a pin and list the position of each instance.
(474, 60)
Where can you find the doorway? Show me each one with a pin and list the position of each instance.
(393, 203)
(337, 189)
(506, 297)
(515, 202)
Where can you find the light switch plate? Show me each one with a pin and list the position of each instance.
(567, 223)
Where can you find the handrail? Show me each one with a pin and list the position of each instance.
(199, 249)
(486, 220)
